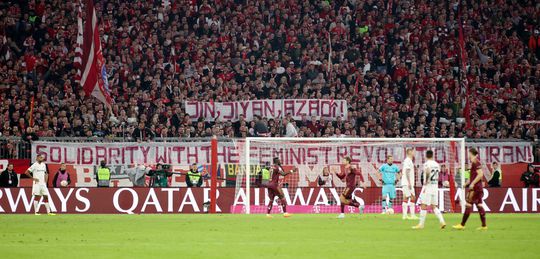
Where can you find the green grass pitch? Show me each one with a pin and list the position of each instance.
(255, 236)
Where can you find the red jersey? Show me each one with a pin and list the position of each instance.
(474, 172)
(350, 177)
(276, 172)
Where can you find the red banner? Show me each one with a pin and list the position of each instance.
(19, 165)
(117, 200)
(185, 200)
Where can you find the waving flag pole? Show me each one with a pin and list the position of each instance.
(463, 72)
(94, 77)
(329, 68)
(77, 60)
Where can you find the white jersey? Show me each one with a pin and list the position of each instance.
(38, 171)
(431, 184)
(407, 165)
(430, 191)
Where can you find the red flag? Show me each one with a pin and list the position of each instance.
(77, 60)
(94, 77)
(462, 51)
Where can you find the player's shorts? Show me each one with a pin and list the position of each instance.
(390, 190)
(274, 190)
(429, 197)
(407, 192)
(474, 196)
(39, 189)
(347, 193)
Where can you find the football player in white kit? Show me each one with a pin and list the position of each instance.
(429, 195)
(407, 185)
(38, 173)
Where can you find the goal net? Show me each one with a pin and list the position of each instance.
(310, 190)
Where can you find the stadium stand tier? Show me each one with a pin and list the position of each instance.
(396, 63)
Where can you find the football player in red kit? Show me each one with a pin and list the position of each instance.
(349, 174)
(474, 193)
(274, 189)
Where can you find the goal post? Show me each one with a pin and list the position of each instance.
(311, 155)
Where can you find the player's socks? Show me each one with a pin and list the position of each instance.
(270, 205)
(404, 209)
(36, 206)
(439, 216)
(482, 213)
(412, 208)
(423, 214)
(47, 207)
(284, 205)
(466, 215)
(342, 208)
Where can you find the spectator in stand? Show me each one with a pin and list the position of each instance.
(28, 137)
(8, 177)
(290, 129)
(496, 175)
(158, 58)
(260, 128)
(9, 150)
(142, 133)
(61, 175)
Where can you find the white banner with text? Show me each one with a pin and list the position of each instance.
(271, 109)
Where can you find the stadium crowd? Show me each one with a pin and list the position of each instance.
(394, 61)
